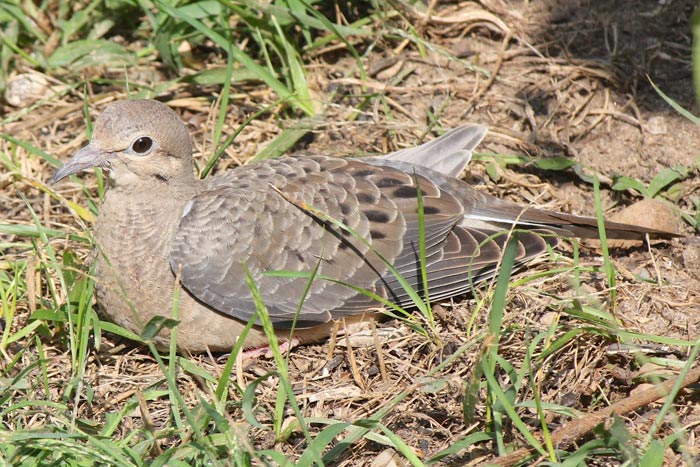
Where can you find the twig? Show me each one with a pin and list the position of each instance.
(492, 78)
(575, 429)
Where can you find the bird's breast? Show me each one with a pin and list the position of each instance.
(133, 277)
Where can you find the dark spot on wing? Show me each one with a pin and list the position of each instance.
(377, 216)
(364, 197)
(338, 229)
(343, 246)
(430, 210)
(345, 208)
(377, 235)
(388, 182)
(407, 192)
(363, 172)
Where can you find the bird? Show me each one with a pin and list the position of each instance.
(323, 238)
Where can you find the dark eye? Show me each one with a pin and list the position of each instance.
(142, 145)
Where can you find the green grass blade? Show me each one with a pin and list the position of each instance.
(285, 141)
(238, 55)
(268, 328)
(607, 261)
(675, 105)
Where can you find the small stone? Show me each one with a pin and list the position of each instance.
(388, 458)
(25, 89)
(691, 257)
(650, 213)
(657, 125)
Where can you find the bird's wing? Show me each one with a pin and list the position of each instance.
(281, 216)
(449, 154)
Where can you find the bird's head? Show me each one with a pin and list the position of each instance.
(136, 142)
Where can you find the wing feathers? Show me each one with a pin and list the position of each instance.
(350, 218)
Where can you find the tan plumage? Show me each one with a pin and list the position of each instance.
(158, 219)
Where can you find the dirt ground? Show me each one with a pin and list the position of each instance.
(564, 78)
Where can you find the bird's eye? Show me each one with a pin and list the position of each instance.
(142, 145)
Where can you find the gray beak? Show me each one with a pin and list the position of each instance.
(86, 157)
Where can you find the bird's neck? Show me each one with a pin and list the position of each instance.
(134, 188)
(143, 207)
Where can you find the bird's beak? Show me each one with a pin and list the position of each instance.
(89, 156)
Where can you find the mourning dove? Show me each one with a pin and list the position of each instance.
(344, 219)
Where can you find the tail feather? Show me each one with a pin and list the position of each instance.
(496, 212)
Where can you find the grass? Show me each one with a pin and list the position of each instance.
(478, 382)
